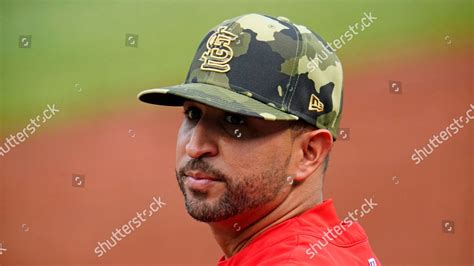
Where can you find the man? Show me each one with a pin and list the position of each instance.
(260, 116)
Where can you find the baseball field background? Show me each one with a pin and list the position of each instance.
(101, 156)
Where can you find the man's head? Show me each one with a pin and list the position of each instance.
(262, 103)
(228, 164)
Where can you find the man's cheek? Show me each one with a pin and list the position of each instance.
(181, 141)
(180, 148)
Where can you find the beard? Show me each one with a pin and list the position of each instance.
(241, 193)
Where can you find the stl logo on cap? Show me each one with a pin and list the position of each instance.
(219, 52)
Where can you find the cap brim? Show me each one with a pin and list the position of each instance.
(213, 96)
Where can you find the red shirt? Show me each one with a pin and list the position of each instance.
(316, 237)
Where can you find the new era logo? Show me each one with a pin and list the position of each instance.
(315, 104)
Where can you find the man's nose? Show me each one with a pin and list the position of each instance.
(202, 143)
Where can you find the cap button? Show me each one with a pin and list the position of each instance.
(284, 19)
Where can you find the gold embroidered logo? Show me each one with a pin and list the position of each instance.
(218, 52)
(315, 104)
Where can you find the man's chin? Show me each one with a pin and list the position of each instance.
(206, 210)
(205, 217)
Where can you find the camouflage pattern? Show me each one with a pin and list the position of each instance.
(266, 67)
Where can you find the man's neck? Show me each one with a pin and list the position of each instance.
(235, 234)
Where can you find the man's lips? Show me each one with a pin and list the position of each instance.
(197, 175)
(200, 181)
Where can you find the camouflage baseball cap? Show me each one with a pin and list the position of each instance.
(266, 67)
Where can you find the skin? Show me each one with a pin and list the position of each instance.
(253, 192)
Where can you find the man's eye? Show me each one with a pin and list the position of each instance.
(234, 119)
(192, 113)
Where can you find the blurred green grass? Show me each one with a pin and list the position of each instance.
(81, 44)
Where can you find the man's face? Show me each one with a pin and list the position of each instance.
(228, 164)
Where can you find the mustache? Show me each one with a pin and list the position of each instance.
(202, 166)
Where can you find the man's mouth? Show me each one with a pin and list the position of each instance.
(201, 175)
(198, 180)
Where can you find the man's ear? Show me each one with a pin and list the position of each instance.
(310, 149)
